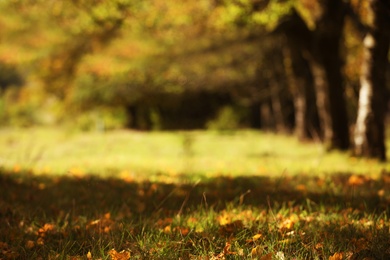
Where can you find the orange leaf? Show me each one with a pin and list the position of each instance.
(123, 255)
(182, 230)
(30, 244)
(336, 256)
(356, 180)
(167, 229)
(301, 187)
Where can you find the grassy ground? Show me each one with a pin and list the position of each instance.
(187, 195)
(197, 153)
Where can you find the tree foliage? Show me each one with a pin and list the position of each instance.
(88, 54)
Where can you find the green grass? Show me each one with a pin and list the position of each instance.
(197, 153)
(187, 195)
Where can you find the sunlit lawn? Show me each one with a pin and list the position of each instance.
(147, 154)
(187, 195)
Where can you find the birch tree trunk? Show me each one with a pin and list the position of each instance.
(369, 135)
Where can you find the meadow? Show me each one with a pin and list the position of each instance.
(187, 195)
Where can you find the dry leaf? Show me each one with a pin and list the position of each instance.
(30, 244)
(167, 229)
(381, 193)
(301, 187)
(182, 230)
(280, 256)
(40, 241)
(89, 255)
(257, 251)
(356, 180)
(257, 237)
(123, 255)
(336, 256)
(267, 256)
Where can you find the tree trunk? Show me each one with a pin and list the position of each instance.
(326, 65)
(277, 108)
(301, 88)
(369, 136)
(267, 120)
(320, 48)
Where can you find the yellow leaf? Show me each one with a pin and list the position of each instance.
(257, 237)
(256, 251)
(89, 255)
(224, 219)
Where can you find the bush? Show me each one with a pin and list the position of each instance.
(18, 112)
(99, 120)
(227, 119)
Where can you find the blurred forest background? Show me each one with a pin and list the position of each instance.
(318, 69)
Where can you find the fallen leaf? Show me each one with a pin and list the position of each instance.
(182, 230)
(123, 255)
(381, 193)
(256, 237)
(46, 228)
(280, 256)
(89, 255)
(231, 227)
(257, 251)
(301, 187)
(40, 241)
(336, 256)
(167, 229)
(30, 244)
(267, 256)
(226, 249)
(356, 180)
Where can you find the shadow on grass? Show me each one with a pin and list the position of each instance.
(45, 196)
(30, 199)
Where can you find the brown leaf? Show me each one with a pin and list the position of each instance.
(30, 244)
(231, 227)
(182, 230)
(267, 256)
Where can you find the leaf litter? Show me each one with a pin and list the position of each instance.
(297, 217)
